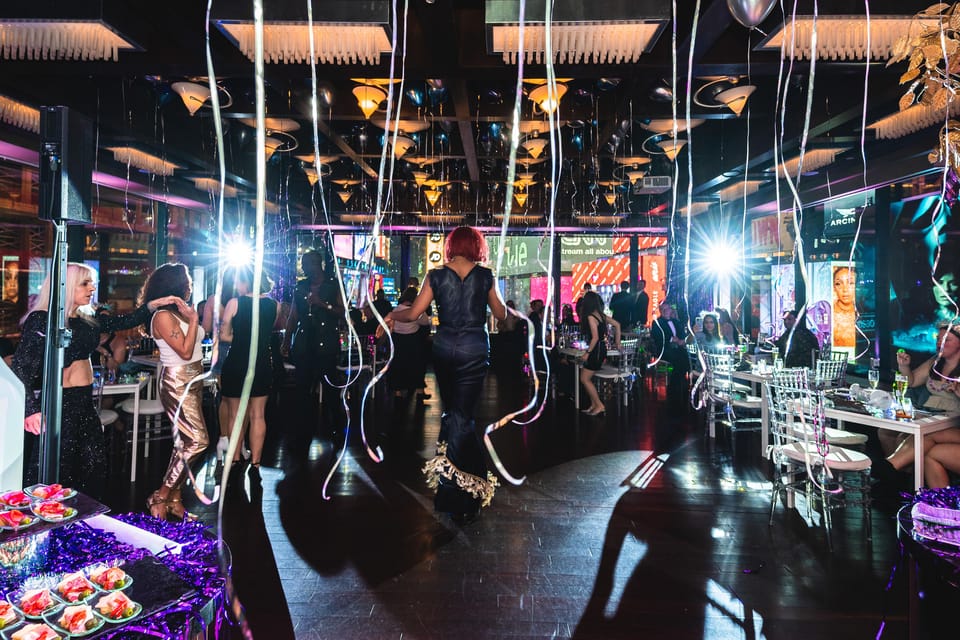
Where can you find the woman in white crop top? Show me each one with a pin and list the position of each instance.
(177, 331)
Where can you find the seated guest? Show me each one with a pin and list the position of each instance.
(803, 345)
(567, 318)
(709, 335)
(728, 330)
(938, 374)
(668, 336)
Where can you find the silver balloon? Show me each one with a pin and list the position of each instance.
(750, 13)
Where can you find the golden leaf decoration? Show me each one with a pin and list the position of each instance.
(900, 49)
(955, 20)
(934, 10)
(933, 157)
(940, 98)
(906, 100)
(909, 75)
(933, 53)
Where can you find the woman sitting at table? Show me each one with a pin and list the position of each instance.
(939, 375)
(709, 335)
(594, 326)
(177, 332)
(83, 451)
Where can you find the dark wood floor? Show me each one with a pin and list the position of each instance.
(629, 526)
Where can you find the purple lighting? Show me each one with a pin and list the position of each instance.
(32, 158)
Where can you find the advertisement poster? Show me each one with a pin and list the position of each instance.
(844, 317)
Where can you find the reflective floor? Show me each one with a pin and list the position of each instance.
(627, 526)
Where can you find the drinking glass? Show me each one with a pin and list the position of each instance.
(874, 377)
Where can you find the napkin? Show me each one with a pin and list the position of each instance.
(880, 399)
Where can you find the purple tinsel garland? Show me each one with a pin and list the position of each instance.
(946, 497)
(76, 545)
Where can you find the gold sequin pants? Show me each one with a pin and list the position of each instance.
(191, 436)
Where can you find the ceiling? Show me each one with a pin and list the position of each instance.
(461, 94)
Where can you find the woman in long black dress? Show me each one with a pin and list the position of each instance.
(83, 451)
(237, 328)
(461, 352)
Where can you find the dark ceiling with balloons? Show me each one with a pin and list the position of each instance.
(614, 150)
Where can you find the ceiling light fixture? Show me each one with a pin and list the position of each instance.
(610, 197)
(725, 91)
(635, 175)
(19, 115)
(548, 100)
(212, 185)
(524, 180)
(432, 195)
(813, 159)
(616, 35)
(520, 218)
(195, 95)
(144, 161)
(739, 190)
(345, 196)
(534, 146)
(360, 40)
(401, 145)
(61, 40)
(695, 208)
(663, 146)
(844, 37)
(419, 177)
(521, 198)
(665, 125)
(911, 120)
(369, 98)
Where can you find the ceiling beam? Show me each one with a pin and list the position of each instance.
(461, 107)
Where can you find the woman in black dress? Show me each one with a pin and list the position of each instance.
(593, 323)
(461, 352)
(237, 329)
(83, 451)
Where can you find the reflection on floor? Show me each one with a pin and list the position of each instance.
(629, 526)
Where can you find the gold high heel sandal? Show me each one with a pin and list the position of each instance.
(157, 505)
(176, 509)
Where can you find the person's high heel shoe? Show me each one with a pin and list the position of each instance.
(157, 505)
(176, 509)
(598, 412)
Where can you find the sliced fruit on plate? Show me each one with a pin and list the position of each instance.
(51, 492)
(53, 510)
(15, 499)
(14, 518)
(8, 615)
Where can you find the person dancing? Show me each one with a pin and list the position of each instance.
(83, 451)
(237, 329)
(178, 334)
(461, 355)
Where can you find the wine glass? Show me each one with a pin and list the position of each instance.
(874, 377)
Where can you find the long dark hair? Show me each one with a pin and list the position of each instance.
(590, 302)
(711, 337)
(170, 279)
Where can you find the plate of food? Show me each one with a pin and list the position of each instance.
(116, 607)
(109, 578)
(39, 631)
(74, 587)
(33, 603)
(50, 492)
(15, 499)
(9, 616)
(14, 519)
(53, 511)
(75, 621)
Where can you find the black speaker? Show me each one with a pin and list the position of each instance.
(66, 165)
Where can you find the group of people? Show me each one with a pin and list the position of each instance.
(165, 314)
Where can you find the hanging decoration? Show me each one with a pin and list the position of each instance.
(750, 13)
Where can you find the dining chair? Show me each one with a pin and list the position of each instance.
(725, 397)
(618, 378)
(830, 368)
(804, 462)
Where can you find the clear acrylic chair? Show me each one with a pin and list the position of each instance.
(725, 397)
(617, 378)
(830, 369)
(804, 462)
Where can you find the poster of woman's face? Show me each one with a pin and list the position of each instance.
(11, 279)
(844, 331)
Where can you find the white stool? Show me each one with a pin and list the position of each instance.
(108, 417)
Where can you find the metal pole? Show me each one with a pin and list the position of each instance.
(58, 337)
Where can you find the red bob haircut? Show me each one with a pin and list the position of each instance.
(466, 242)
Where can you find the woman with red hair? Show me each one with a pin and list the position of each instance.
(461, 352)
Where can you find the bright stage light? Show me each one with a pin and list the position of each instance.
(722, 257)
(237, 253)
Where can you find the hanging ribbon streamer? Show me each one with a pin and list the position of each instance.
(689, 107)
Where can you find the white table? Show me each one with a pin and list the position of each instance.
(122, 389)
(918, 428)
(576, 355)
(757, 379)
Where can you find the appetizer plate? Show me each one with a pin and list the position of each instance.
(16, 621)
(7, 634)
(127, 580)
(53, 619)
(28, 520)
(36, 490)
(68, 514)
(13, 597)
(137, 610)
(15, 499)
